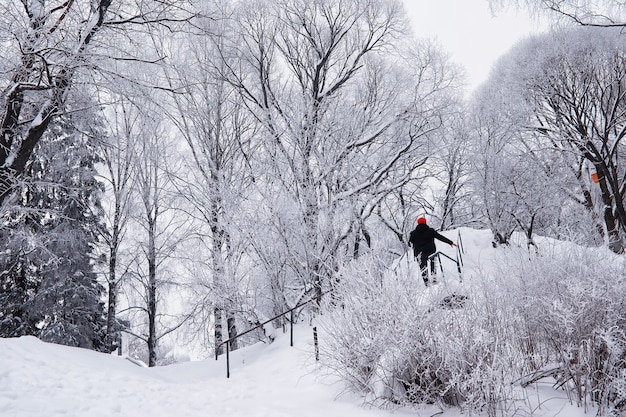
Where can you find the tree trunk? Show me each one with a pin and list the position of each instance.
(112, 328)
(500, 239)
(232, 331)
(615, 241)
(217, 313)
(152, 301)
(588, 204)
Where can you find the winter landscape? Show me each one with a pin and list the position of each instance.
(267, 379)
(184, 181)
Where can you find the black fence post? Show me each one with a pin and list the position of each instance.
(228, 359)
(291, 326)
(291, 310)
(317, 348)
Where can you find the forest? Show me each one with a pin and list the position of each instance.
(175, 172)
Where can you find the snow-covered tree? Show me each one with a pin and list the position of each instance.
(51, 244)
(600, 13)
(450, 166)
(211, 119)
(158, 231)
(343, 122)
(578, 93)
(119, 135)
(556, 102)
(494, 137)
(46, 46)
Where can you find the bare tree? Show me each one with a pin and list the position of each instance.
(600, 13)
(562, 98)
(493, 175)
(159, 234)
(123, 128)
(47, 45)
(451, 167)
(342, 122)
(580, 103)
(209, 115)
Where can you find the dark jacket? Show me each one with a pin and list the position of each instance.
(422, 239)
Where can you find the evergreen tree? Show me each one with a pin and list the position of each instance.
(17, 283)
(48, 278)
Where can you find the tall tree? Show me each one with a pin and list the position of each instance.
(599, 13)
(494, 137)
(47, 44)
(159, 231)
(565, 98)
(341, 121)
(210, 117)
(55, 267)
(453, 201)
(121, 132)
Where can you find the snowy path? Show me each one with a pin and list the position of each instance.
(40, 379)
(45, 380)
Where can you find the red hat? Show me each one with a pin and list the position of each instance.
(421, 220)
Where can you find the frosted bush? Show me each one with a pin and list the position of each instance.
(390, 342)
(560, 315)
(569, 313)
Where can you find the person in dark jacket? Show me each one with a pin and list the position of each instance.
(422, 239)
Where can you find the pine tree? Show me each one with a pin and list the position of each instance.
(49, 277)
(17, 283)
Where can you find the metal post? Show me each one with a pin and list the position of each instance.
(317, 349)
(291, 326)
(228, 359)
(227, 341)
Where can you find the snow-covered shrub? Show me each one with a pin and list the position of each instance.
(396, 344)
(559, 315)
(569, 320)
(357, 338)
(604, 358)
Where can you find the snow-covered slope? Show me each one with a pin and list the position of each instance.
(41, 379)
(275, 380)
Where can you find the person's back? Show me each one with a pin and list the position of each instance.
(422, 239)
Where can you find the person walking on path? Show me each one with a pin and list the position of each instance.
(422, 239)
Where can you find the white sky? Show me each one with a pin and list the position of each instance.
(469, 32)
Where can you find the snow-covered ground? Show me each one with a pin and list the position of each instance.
(267, 380)
(41, 379)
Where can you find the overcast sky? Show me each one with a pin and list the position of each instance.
(469, 32)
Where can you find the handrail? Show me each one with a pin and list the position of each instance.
(230, 339)
(458, 261)
(460, 249)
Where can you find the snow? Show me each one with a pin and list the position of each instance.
(41, 379)
(267, 380)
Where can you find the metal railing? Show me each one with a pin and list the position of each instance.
(228, 341)
(458, 261)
